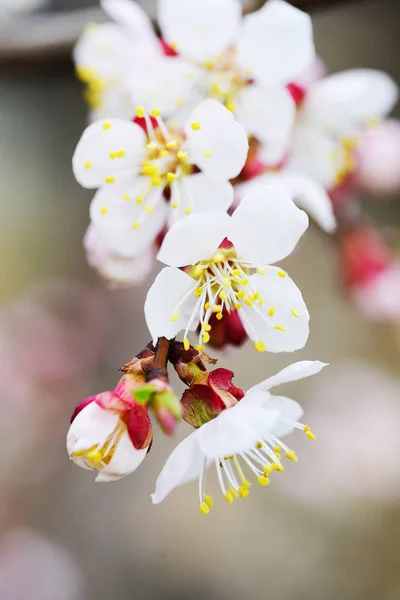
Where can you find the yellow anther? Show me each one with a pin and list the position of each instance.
(246, 484)
(109, 179)
(229, 497)
(249, 302)
(234, 493)
(219, 316)
(278, 449)
(148, 208)
(226, 282)
(236, 273)
(244, 281)
(238, 306)
(207, 154)
(188, 210)
(230, 106)
(180, 101)
(156, 181)
(95, 456)
(87, 164)
(151, 146)
(243, 493)
(171, 177)
(209, 64)
(216, 90)
(241, 294)
(204, 508)
(208, 500)
(291, 455)
(256, 295)
(261, 301)
(103, 210)
(186, 344)
(350, 143)
(310, 435)
(206, 337)
(282, 274)
(263, 480)
(268, 469)
(175, 204)
(217, 308)
(106, 126)
(260, 346)
(112, 155)
(195, 125)
(197, 271)
(135, 225)
(218, 257)
(174, 316)
(207, 306)
(222, 295)
(206, 327)
(120, 154)
(140, 112)
(197, 292)
(126, 196)
(278, 467)
(181, 155)
(199, 347)
(280, 328)
(174, 46)
(164, 153)
(262, 270)
(259, 445)
(139, 200)
(295, 313)
(156, 112)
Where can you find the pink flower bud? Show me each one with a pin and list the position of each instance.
(378, 153)
(227, 331)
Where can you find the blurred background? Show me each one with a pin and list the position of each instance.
(328, 528)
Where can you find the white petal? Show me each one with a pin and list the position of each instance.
(283, 298)
(220, 135)
(125, 460)
(346, 100)
(114, 216)
(132, 17)
(235, 430)
(170, 84)
(306, 193)
(316, 155)
(267, 225)
(288, 409)
(276, 42)
(164, 300)
(296, 371)
(184, 464)
(268, 113)
(104, 50)
(91, 427)
(92, 161)
(200, 29)
(194, 239)
(203, 193)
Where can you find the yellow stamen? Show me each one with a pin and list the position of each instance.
(175, 204)
(207, 154)
(174, 316)
(181, 155)
(260, 346)
(188, 210)
(208, 500)
(206, 327)
(155, 112)
(126, 196)
(204, 508)
(171, 145)
(219, 316)
(291, 455)
(229, 497)
(135, 225)
(199, 347)
(140, 112)
(263, 480)
(282, 274)
(148, 209)
(272, 311)
(262, 270)
(103, 210)
(295, 313)
(206, 337)
(106, 126)
(109, 179)
(87, 164)
(279, 328)
(186, 344)
(171, 177)
(195, 125)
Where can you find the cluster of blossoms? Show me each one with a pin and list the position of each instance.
(204, 147)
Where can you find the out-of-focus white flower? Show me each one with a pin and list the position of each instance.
(133, 170)
(34, 567)
(355, 409)
(118, 271)
(250, 431)
(335, 110)
(379, 298)
(222, 251)
(378, 158)
(109, 435)
(305, 192)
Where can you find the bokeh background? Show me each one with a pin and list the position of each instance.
(328, 528)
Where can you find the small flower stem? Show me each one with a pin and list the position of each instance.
(159, 366)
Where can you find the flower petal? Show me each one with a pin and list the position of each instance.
(219, 146)
(306, 193)
(267, 225)
(132, 17)
(91, 427)
(235, 430)
(200, 194)
(115, 214)
(164, 300)
(276, 42)
(194, 239)
(106, 150)
(281, 323)
(199, 29)
(294, 372)
(125, 460)
(289, 410)
(268, 113)
(184, 464)
(346, 100)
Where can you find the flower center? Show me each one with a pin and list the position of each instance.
(97, 457)
(262, 459)
(225, 79)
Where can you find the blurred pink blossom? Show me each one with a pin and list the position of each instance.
(378, 154)
(379, 299)
(354, 411)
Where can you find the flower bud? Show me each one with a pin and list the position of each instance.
(109, 435)
(227, 331)
(158, 395)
